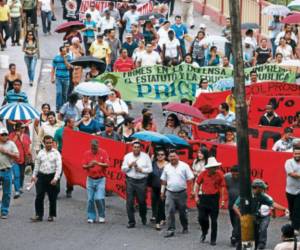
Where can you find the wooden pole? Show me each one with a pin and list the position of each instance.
(247, 220)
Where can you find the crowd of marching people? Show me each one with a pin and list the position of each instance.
(124, 41)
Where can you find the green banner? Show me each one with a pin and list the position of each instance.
(171, 84)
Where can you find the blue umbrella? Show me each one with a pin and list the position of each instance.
(178, 141)
(19, 111)
(152, 137)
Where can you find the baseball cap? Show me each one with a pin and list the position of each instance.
(3, 131)
(259, 183)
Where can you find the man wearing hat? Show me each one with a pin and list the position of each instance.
(95, 161)
(212, 183)
(261, 207)
(137, 166)
(8, 153)
(232, 181)
(109, 131)
(100, 49)
(129, 44)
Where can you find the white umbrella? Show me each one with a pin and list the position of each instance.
(19, 111)
(213, 40)
(92, 89)
(276, 10)
(294, 5)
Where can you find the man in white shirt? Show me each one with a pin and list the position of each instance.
(285, 144)
(149, 57)
(171, 49)
(106, 23)
(95, 14)
(225, 114)
(46, 8)
(163, 33)
(174, 184)
(137, 166)
(130, 17)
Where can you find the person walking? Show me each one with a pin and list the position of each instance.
(8, 153)
(9, 78)
(187, 12)
(30, 49)
(46, 174)
(46, 10)
(158, 205)
(15, 7)
(4, 22)
(227, 34)
(60, 75)
(95, 161)
(173, 189)
(292, 169)
(232, 181)
(212, 184)
(137, 166)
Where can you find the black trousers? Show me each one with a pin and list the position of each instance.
(31, 14)
(4, 28)
(208, 207)
(136, 189)
(234, 220)
(43, 186)
(158, 205)
(15, 29)
(294, 208)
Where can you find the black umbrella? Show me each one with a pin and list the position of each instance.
(247, 26)
(147, 17)
(216, 126)
(87, 61)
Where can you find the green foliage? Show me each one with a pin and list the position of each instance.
(283, 2)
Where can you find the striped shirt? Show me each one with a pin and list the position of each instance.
(15, 8)
(12, 96)
(122, 65)
(61, 70)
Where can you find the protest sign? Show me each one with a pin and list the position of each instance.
(163, 84)
(208, 103)
(76, 175)
(142, 8)
(285, 107)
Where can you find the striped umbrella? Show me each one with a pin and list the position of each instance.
(19, 111)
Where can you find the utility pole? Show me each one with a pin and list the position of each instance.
(247, 219)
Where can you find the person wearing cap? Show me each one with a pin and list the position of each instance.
(88, 32)
(137, 166)
(46, 175)
(8, 154)
(101, 49)
(129, 44)
(131, 16)
(212, 183)
(261, 207)
(232, 182)
(109, 131)
(174, 180)
(95, 14)
(292, 169)
(270, 118)
(94, 162)
(289, 239)
(106, 23)
(285, 144)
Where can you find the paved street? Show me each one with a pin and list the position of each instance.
(70, 231)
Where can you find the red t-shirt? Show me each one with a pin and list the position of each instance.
(95, 171)
(123, 65)
(22, 145)
(211, 184)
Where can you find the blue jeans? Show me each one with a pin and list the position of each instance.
(46, 21)
(96, 194)
(6, 179)
(274, 47)
(30, 63)
(16, 173)
(182, 46)
(62, 87)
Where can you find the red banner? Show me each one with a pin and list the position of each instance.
(209, 103)
(260, 168)
(285, 107)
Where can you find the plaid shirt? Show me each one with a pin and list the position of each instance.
(48, 162)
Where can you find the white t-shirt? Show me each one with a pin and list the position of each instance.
(171, 48)
(287, 52)
(137, 54)
(163, 36)
(45, 5)
(283, 146)
(149, 59)
(106, 24)
(176, 177)
(118, 106)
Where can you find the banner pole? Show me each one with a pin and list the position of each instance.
(247, 219)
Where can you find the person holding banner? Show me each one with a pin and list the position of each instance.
(137, 166)
(212, 183)
(174, 180)
(292, 169)
(95, 161)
